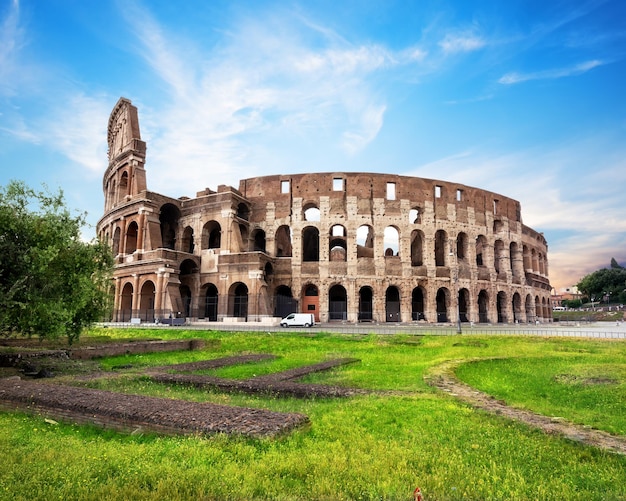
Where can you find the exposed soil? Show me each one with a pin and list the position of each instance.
(136, 412)
(443, 378)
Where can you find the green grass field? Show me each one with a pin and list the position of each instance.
(376, 446)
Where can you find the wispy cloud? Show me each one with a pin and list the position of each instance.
(467, 41)
(578, 69)
(11, 41)
(265, 74)
(552, 202)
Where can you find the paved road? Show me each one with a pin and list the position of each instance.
(601, 330)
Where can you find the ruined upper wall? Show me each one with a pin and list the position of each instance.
(368, 186)
(123, 133)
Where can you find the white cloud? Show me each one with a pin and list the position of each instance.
(570, 189)
(266, 76)
(11, 42)
(579, 69)
(454, 43)
(77, 130)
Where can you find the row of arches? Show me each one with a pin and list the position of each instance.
(443, 306)
(503, 257)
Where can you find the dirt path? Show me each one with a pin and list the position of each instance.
(443, 377)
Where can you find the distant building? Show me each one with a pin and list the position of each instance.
(343, 246)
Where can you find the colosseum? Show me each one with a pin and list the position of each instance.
(345, 246)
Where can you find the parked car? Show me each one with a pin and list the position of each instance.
(298, 320)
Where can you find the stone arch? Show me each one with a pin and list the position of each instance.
(417, 248)
(310, 244)
(187, 242)
(483, 307)
(526, 258)
(116, 241)
(418, 302)
(415, 215)
(337, 245)
(443, 303)
(258, 240)
(366, 304)
(211, 302)
(211, 235)
(481, 249)
(517, 308)
(337, 303)
(146, 301)
(392, 241)
(123, 186)
(311, 212)
(169, 217)
(243, 211)
(461, 246)
(365, 241)
(501, 307)
(283, 241)
(311, 300)
(498, 256)
(112, 193)
(238, 300)
(126, 303)
(131, 238)
(441, 244)
(392, 304)
(529, 308)
(284, 302)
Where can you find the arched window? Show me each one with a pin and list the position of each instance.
(415, 215)
(169, 216)
(311, 213)
(417, 248)
(441, 244)
(417, 304)
(392, 304)
(337, 247)
(258, 240)
(392, 241)
(365, 241)
(310, 244)
(283, 241)
(366, 304)
(211, 235)
(188, 243)
(211, 303)
(461, 246)
(337, 303)
(131, 238)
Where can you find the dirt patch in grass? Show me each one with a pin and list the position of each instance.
(584, 380)
(135, 412)
(443, 377)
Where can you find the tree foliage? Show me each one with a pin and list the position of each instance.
(51, 282)
(605, 282)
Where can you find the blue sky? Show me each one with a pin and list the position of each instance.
(523, 98)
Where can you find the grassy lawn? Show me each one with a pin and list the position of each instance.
(376, 446)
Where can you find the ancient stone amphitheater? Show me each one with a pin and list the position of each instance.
(351, 247)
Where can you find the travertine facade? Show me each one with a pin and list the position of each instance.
(345, 246)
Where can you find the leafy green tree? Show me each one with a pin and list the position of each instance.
(607, 281)
(51, 282)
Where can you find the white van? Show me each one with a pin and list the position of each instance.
(298, 319)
